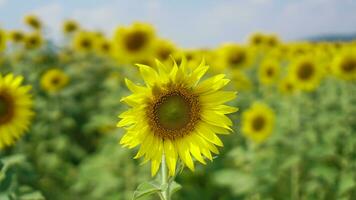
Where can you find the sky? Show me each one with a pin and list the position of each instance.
(192, 23)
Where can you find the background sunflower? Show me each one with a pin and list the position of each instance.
(70, 150)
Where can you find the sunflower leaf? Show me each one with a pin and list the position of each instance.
(146, 189)
(174, 187)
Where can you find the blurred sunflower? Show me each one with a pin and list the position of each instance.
(287, 86)
(2, 40)
(240, 80)
(103, 47)
(272, 41)
(305, 73)
(269, 72)
(70, 26)
(256, 39)
(16, 36)
(134, 43)
(15, 109)
(234, 56)
(344, 66)
(54, 80)
(175, 115)
(33, 21)
(33, 41)
(163, 49)
(83, 42)
(258, 122)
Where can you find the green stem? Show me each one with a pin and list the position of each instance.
(165, 183)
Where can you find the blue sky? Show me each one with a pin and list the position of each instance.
(193, 23)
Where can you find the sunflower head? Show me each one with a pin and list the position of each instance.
(287, 86)
(135, 42)
(272, 41)
(33, 41)
(256, 39)
(269, 72)
(258, 122)
(305, 73)
(234, 56)
(83, 42)
(344, 66)
(33, 21)
(16, 36)
(176, 115)
(163, 49)
(70, 26)
(15, 109)
(104, 47)
(54, 80)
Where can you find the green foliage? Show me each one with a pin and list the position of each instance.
(71, 150)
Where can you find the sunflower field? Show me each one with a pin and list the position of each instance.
(135, 116)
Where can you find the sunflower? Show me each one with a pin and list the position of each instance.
(15, 109)
(54, 80)
(256, 39)
(163, 49)
(175, 115)
(134, 43)
(16, 36)
(83, 42)
(2, 40)
(305, 73)
(269, 72)
(272, 41)
(258, 122)
(234, 56)
(344, 66)
(240, 80)
(103, 47)
(33, 21)
(70, 26)
(287, 86)
(33, 41)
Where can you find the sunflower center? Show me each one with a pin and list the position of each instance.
(289, 87)
(34, 23)
(272, 42)
(164, 53)
(86, 44)
(257, 40)
(305, 71)
(173, 114)
(270, 71)
(105, 47)
(135, 41)
(71, 27)
(16, 37)
(349, 66)
(55, 81)
(6, 107)
(237, 58)
(258, 123)
(33, 41)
